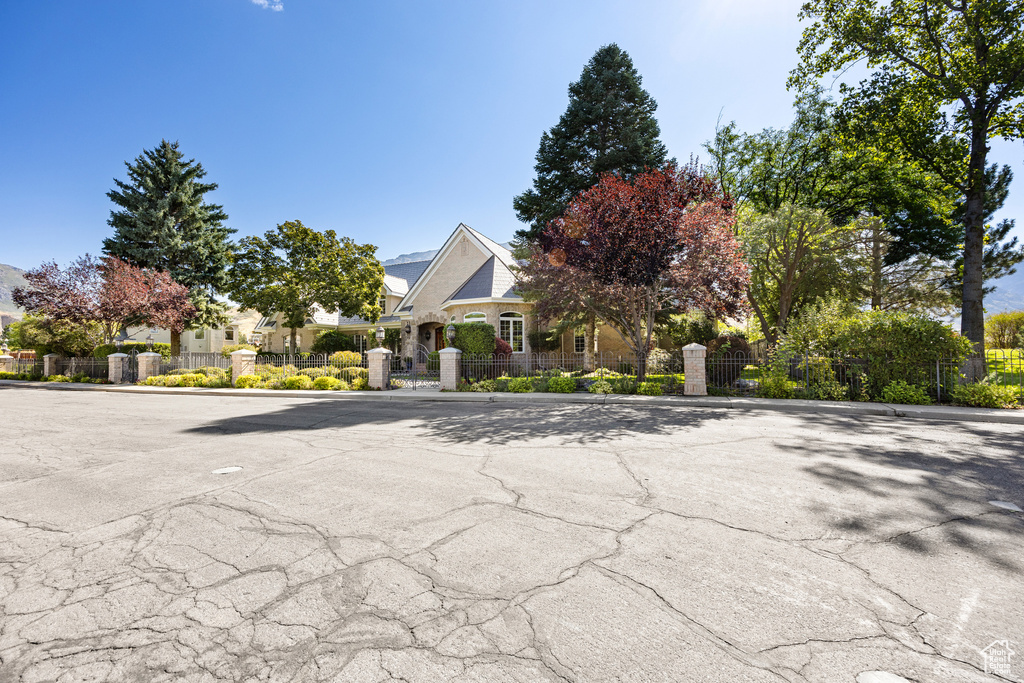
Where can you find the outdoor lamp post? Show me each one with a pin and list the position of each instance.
(450, 333)
(380, 336)
(149, 342)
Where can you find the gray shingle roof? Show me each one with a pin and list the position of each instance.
(400, 277)
(492, 280)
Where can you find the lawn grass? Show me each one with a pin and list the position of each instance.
(1008, 364)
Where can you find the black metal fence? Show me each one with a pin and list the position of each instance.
(92, 368)
(194, 361)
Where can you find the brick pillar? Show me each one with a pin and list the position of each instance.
(149, 365)
(115, 367)
(695, 371)
(451, 368)
(378, 363)
(6, 363)
(51, 362)
(243, 362)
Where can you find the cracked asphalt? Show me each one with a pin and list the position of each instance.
(428, 542)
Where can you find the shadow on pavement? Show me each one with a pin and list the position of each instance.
(484, 423)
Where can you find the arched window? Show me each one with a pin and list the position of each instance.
(474, 318)
(510, 328)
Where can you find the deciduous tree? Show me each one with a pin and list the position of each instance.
(108, 292)
(947, 77)
(627, 250)
(294, 269)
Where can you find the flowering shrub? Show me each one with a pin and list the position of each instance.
(248, 382)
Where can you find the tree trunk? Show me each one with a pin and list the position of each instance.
(589, 331)
(972, 315)
(175, 343)
(766, 329)
(294, 336)
(876, 264)
(641, 365)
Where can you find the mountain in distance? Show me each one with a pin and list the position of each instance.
(409, 258)
(10, 277)
(419, 256)
(1009, 294)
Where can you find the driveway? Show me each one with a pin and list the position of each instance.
(436, 542)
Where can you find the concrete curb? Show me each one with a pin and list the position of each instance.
(945, 413)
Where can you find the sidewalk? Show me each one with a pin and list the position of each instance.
(948, 413)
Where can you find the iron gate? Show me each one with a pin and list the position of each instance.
(130, 368)
(420, 369)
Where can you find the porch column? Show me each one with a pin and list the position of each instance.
(149, 365)
(451, 368)
(243, 362)
(115, 367)
(378, 365)
(6, 363)
(694, 369)
(51, 361)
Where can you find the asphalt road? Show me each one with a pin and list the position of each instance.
(484, 542)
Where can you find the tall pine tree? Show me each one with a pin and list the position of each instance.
(163, 223)
(608, 127)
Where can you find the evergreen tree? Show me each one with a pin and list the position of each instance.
(608, 127)
(163, 223)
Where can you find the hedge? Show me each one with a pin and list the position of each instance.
(474, 338)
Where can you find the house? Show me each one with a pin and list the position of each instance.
(203, 340)
(470, 279)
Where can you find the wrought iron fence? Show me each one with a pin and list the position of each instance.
(32, 367)
(93, 368)
(194, 361)
(313, 365)
(616, 368)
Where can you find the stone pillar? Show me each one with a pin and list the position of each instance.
(115, 367)
(451, 368)
(378, 364)
(695, 370)
(243, 362)
(6, 363)
(149, 365)
(51, 361)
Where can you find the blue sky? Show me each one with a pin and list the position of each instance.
(389, 122)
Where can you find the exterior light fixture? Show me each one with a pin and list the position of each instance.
(149, 343)
(380, 334)
(450, 333)
(426, 334)
(408, 328)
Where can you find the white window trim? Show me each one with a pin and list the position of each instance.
(512, 317)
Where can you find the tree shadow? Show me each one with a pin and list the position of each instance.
(951, 478)
(474, 423)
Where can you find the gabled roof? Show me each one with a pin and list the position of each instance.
(492, 280)
(487, 245)
(400, 277)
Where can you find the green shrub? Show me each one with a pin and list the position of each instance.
(326, 383)
(10, 375)
(649, 388)
(474, 338)
(314, 373)
(80, 377)
(541, 341)
(985, 395)
(351, 374)
(906, 394)
(600, 387)
(360, 384)
(248, 382)
(274, 384)
(194, 379)
(485, 385)
(520, 385)
(692, 328)
(345, 359)
(1005, 330)
(333, 341)
(104, 350)
(231, 348)
(561, 385)
(298, 382)
(623, 385)
(57, 378)
(433, 362)
(725, 358)
(217, 382)
(660, 361)
(776, 384)
(343, 386)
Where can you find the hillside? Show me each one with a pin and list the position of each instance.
(1009, 294)
(10, 277)
(409, 258)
